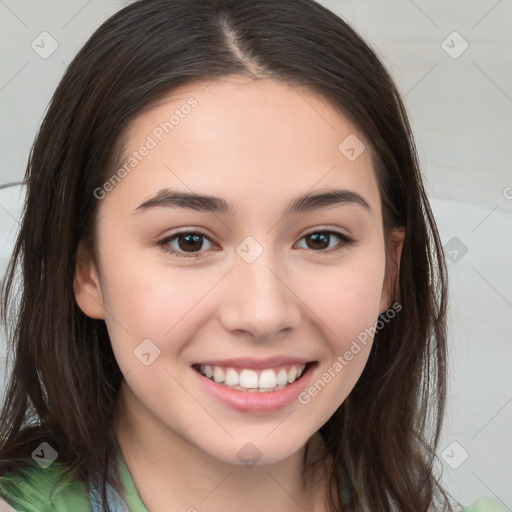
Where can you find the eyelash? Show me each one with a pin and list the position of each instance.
(163, 243)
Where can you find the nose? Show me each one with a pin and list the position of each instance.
(257, 299)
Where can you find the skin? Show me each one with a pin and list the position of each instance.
(5, 507)
(256, 144)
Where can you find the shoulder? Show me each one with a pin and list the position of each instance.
(38, 489)
(486, 504)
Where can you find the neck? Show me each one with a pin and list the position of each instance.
(171, 474)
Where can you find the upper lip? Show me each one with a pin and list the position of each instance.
(256, 364)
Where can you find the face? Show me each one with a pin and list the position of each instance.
(251, 283)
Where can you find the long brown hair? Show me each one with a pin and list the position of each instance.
(65, 379)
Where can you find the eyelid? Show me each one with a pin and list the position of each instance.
(327, 229)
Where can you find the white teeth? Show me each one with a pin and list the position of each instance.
(232, 377)
(249, 380)
(292, 374)
(268, 379)
(218, 374)
(282, 377)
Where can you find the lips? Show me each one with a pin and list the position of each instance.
(259, 399)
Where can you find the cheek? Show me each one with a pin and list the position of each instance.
(150, 301)
(348, 321)
(346, 300)
(346, 297)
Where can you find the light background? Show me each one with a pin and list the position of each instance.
(461, 112)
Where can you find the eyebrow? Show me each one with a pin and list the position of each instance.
(204, 203)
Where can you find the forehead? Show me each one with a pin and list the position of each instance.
(240, 138)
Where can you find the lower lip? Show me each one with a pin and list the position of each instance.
(245, 401)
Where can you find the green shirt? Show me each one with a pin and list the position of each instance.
(48, 490)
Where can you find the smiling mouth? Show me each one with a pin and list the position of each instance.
(254, 381)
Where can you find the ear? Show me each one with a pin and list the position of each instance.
(390, 287)
(86, 286)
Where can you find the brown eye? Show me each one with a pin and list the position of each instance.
(320, 240)
(186, 244)
(190, 242)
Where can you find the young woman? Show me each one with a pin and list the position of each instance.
(233, 292)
